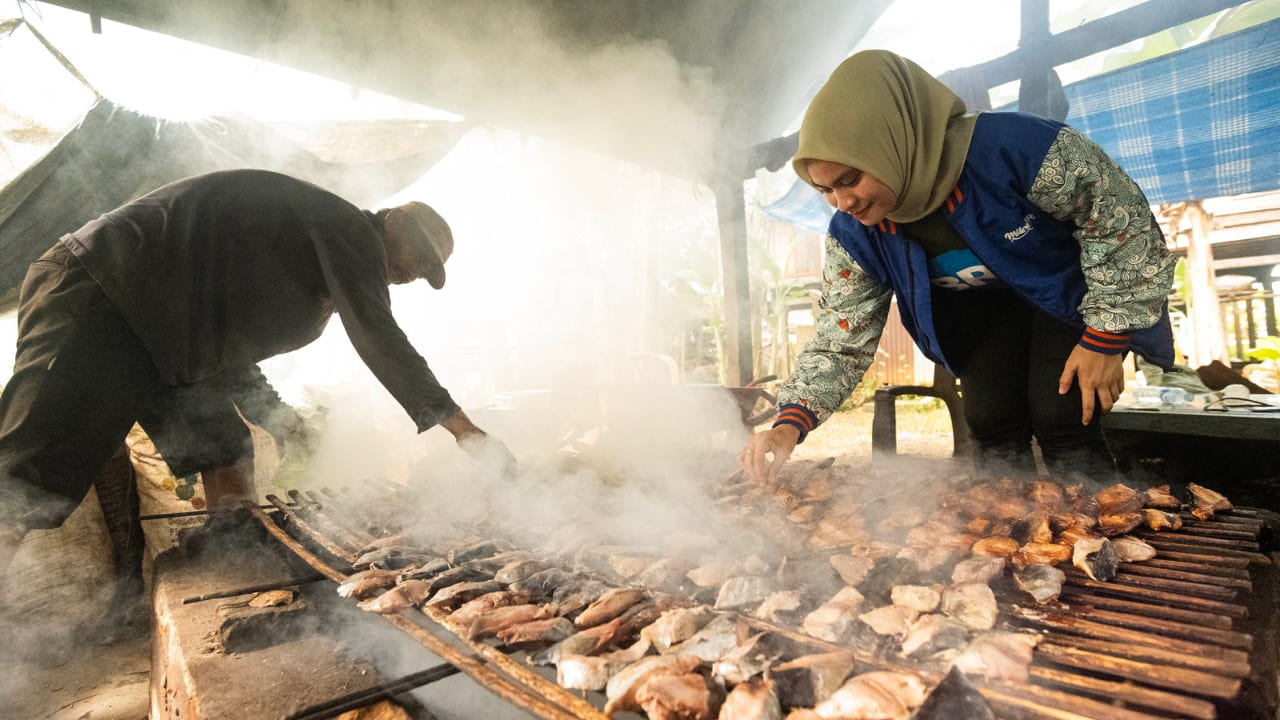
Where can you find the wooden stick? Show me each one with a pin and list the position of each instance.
(1194, 681)
(1231, 572)
(1195, 633)
(1248, 544)
(1238, 563)
(1130, 692)
(1078, 596)
(1154, 655)
(1159, 585)
(1143, 568)
(1163, 598)
(328, 545)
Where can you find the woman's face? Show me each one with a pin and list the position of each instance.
(852, 191)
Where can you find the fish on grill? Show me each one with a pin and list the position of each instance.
(453, 576)
(752, 657)
(781, 606)
(405, 595)
(668, 696)
(493, 563)
(592, 672)
(424, 571)
(480, 548)
(714, 574)
(1047, 496)
(1207, 502)
(676, 626)
(583, 642)
(1160, 497)
(609, 606)
(742, 591)
(712, 642)
(995, 546)
(999, 655)
(834, 619)
(811, 679)
(973, 604)
(921, 598)
(576, 595)
(1096, 557)
(892, 620)
(454, 595)
(932, 633)
(536, 632)
(755, 699)
(1131, 549)
(474, 609)
(545, 582)
(874, 696)
(622, 687)
(1120, 499)
(978, 569)
(852, 570)
(497, 619)
(517, 570)
(1042, 582)
(1119, 523)
(392, 558)
(1161, 520)
(364, 584)
(1041, 554)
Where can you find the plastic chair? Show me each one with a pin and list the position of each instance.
(884, 423)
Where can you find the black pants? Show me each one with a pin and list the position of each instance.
(81, 378)
(1009, 356)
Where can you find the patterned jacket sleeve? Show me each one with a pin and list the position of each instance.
(851, 316)
(1128, 269)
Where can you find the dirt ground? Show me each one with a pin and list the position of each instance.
(923, 429)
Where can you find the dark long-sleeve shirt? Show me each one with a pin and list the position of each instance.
(223, 270)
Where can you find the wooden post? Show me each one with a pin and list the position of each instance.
(731, 210)
(1203, 307)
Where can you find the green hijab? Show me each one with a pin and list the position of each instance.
(886, 116)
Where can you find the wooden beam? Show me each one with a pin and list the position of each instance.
(1101, 34)
(731, 210)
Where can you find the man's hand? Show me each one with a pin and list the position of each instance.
(779, 441)
(1098, 375)
(482, 447)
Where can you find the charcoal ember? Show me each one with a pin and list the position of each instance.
(955, 698)
(811, 679)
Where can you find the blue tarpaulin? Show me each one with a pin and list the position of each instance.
(1202, 122)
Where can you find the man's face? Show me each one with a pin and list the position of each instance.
(852, 191)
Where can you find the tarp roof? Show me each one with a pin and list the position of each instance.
(647, 80)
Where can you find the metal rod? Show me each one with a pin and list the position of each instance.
(307, 530)
(188, 513)
(360, 698)
(473, 666)
(264, 587)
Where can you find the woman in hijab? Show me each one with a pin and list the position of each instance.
(1022, 258)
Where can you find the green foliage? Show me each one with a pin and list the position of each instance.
(1268, 348)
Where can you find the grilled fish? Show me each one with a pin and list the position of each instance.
(891, 620)
(1131, 549)
(955, 698)
(972, 604)
(364, 584)
(608, 606)
(668, 696)
(1041, 582)
(543, 630)
(621, 688)
(405, 595)
(676, 626)
(810, 679)
(999, 656)
(1096, 557)
(978, 569)
(752, 700)
(833, 620)
(498, 619)
(874, 695)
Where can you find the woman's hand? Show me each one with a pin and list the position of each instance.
(779, 441)
(1098, 375)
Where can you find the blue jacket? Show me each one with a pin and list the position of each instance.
(1033, 252)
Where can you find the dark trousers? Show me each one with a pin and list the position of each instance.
(81, 378)
(1009, 356)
